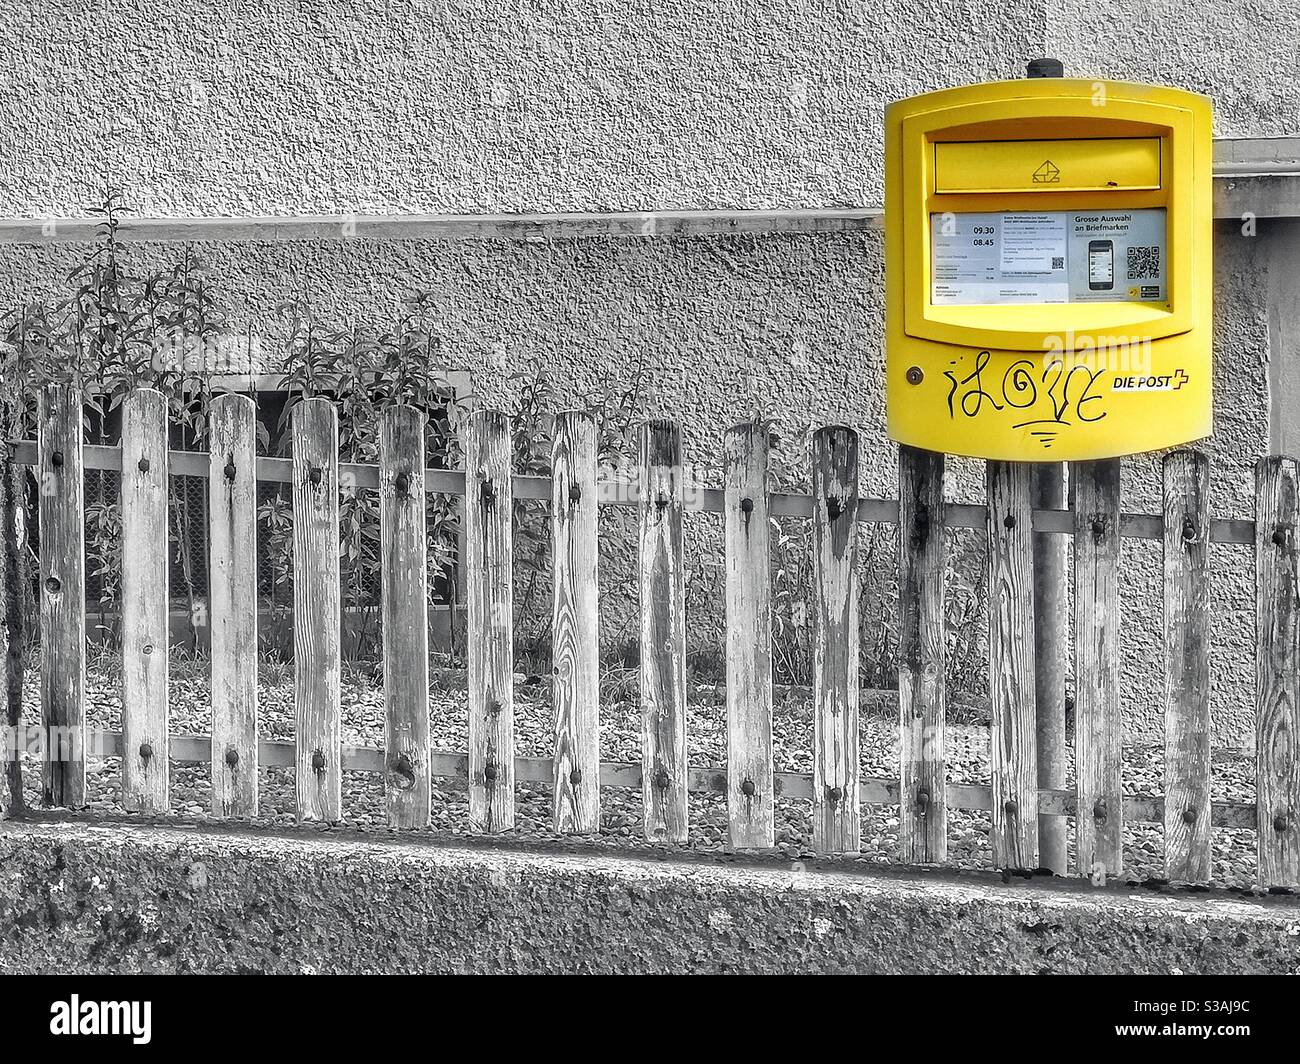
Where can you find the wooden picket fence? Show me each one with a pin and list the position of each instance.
(835, 788)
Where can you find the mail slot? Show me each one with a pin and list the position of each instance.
(1048, 284)
(1047, 165)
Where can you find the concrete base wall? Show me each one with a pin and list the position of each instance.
(86, 898)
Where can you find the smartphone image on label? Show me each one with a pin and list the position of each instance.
(1101, 265)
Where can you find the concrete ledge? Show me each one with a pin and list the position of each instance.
(1260, 176)
(1272, 194)
(78, 897)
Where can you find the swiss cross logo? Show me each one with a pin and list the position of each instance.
(1047, 174)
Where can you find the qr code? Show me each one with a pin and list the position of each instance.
(1058, 262)
(1143, 262)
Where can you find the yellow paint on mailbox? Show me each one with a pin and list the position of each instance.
(1018, 165)
(1048, 269)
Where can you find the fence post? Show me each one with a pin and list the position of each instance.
(1277, 671)
(145, 743)
(1187, 666)
(232, 602)
(1012, 687)
(750, 797)
(11, 786)
(837, 823)
(405, 609)
(1098, 722)
(923, 804)
(489, 596)
(63, 596)
(663, 634)
(575, 648)
(316, 609)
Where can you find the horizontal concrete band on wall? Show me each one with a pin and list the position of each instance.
(1254, 179)
(82, 897)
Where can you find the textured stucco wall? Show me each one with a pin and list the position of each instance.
(413, 105)
(121, 899)
(1243, 53)
(220, 107)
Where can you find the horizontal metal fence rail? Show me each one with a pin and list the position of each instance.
(702, 779)
(623, 493)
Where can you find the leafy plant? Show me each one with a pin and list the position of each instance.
(364, 373)
(532, 424)
(791, 548)
(275, 542)
(114, 331)
(104, 554)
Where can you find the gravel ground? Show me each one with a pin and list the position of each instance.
(363, 724)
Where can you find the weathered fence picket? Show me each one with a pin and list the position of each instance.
(232, 603)
(574, 634)
(144, 593)
(1187, 666)
(922, 789)
(489, 568)
(663, 634)
(750, 797)
(1098, 726)
(837, 817)
(63, 596)
(1051, 655)
(1277, 709)
(317, 609)
(405, 616)
(1011, 664)
(13, 484)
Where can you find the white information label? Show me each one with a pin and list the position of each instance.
(1047, 257)
(1032, 243)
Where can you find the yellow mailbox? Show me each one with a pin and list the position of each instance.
(1048, 270)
